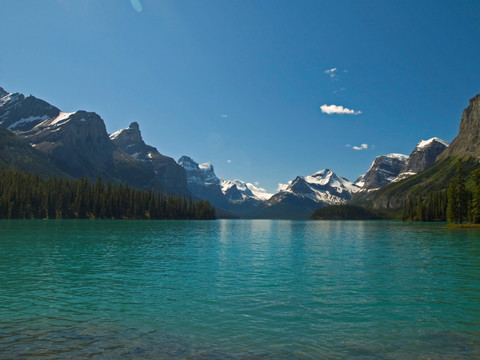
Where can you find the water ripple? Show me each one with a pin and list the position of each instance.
(238, 290)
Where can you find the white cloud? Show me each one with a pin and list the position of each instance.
(331, 72)
(257, 183)
(348, 146)
(229, 161)
(224, 115)
(282, 187)
(338, 109)
(359, 148)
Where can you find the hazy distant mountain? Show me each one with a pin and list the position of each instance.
(234, 196)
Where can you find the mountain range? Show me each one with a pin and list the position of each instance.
(465, 146)
(77, 144)
(35, 136)
(303, 195)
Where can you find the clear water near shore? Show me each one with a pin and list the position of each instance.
(238, 289)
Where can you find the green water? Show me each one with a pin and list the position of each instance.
(233, 289)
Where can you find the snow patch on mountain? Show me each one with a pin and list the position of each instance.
(62, 118)
(322, 187)
(203, 175)
(384, 169)
(400, 157)
(116, 134)
(10, 97)
(259, 192)
(247, 189)
(425, 143)
(28, 120)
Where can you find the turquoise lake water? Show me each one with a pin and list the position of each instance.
(234, 289)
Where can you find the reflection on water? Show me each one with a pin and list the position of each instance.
(238, 289)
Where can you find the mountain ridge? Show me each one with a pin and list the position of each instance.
(78, 144)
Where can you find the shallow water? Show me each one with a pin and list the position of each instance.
(238, 289)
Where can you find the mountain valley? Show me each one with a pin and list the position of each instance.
(37, 137)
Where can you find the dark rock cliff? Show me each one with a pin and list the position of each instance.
(170, 176)
(467, 142)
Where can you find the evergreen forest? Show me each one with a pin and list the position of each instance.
(457, 204)
(28, 196)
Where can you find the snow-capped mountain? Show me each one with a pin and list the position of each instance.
(235, 196)
(384, 169)
(324, 186)
(300, 197)
(231, 189)
(396, 167)
(422, 157)
(200, 174)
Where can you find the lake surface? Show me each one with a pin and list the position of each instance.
(234, 289)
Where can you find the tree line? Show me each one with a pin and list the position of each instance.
(347, 212)
(27, 196)
(456, 204)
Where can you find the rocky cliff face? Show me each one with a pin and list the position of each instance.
(75, 142)
(168, 174)
(383, 170)
(79, 145)
(203, 183)
(15, 152)
(438, 175)
(201, 174)
(467, 142)
(422, 157)
(18, 113)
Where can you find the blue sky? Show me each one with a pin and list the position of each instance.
(241, 83)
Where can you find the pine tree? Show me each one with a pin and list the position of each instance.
(475, 206)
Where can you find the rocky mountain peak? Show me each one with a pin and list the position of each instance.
(129, 136)
(422, 157)
(19, 113)
(77, 142)
(467, 142)
(171, 176)
(198, 173)
(384, 169)
(188, 163)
